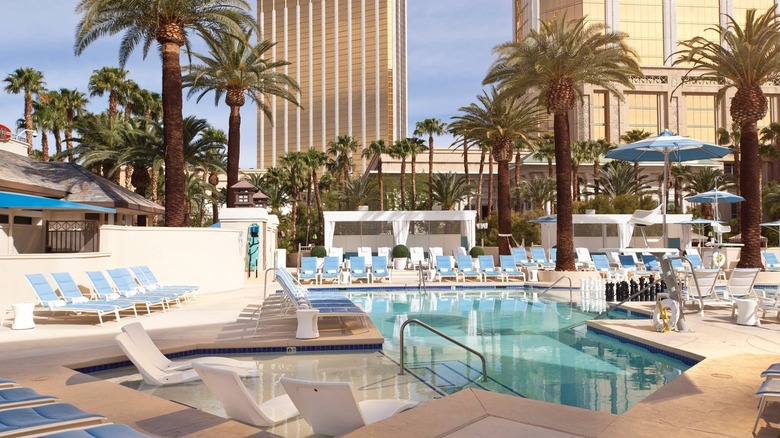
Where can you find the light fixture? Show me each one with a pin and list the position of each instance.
(21, 131)
(482, 225)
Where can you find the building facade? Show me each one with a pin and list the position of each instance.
(658, 101)
(349, 58)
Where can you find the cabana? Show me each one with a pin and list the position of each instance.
(446, 228)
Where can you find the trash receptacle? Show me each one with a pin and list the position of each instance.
(280, 261)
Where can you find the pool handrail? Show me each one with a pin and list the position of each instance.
(571, 299)
(445, 336)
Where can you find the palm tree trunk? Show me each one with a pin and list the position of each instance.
(294, 215)
(776, 166)
(490, 185)
(318, 200)
(549, 168)
(28, 124)
(381, 183)
(575, 168)
(68, 139)
(466, 159)
(44, 145)
(504, 209)
(57, 141)
(596, 173)
(403, 183)
(430, 171)
(750, 214)
(565, 233)
(308, 209)
(414, 182)
(128, 175)
(173, 126)
(234, 150)
(480, 185)
(636, 175)
(518, 160)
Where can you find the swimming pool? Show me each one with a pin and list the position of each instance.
(537, 349)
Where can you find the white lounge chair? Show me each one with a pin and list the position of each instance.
(417, 257)
(150, 373)
(704, 284)
(330, 408)
(239, 405)
(135, 331)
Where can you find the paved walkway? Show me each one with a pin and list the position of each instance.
(713, 398)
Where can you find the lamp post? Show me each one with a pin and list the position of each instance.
(482, 226)
(21, 131)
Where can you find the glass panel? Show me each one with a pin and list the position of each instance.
(741, 6)
(643, 112)
(700, 111)
(598, 118)
(695, 16)
(642, 20)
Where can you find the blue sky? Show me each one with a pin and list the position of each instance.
(449, 51)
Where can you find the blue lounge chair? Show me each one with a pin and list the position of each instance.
(509, 267)
(308, 271)
(20, 396)
(539, 257)
(7, 383)
(72, 294)
(695, 260)
(110, 430)
(330, 269)
(521, 257)
(444, 268)
(379, 269)
(650, 262)
(156, 284)
(628, 263)
(772, 264)
(148, 281)
(467, 270)
(36, 420)
(488, 268)
(127, 286)
(52, 303)
(357, 269)
(103, 289)
(601, 263)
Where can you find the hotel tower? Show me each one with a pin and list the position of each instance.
(349, 58)
(654, 27)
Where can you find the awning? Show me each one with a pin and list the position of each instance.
(19, 201)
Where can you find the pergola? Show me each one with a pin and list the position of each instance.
(401, 221)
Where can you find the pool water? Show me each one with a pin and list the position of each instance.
(537, 349)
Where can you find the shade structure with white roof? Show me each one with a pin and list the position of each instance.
(667, 147)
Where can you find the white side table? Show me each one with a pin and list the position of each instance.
(23, 316)
(747, 312)
(307, 324)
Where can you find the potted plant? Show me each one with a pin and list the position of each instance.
(400, 255)
(320, 252)
(476, 252)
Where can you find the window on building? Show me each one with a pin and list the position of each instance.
(642, 20)
(700, 114)
(598, 117)
(643, 112)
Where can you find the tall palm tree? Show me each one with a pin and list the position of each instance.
(449, 190)
(239, 70)
(357, 192)
(102, 142)
(431, 127)
(632, 136)
(74, 103)
(416, 146)
(580, 153)
(376, 149)
(314, 159)
(28, 82)
(745, 58)
(704, 180)
(214, 164)
(462, 139)
(552, 61)
(56, 105)
(340, 151)
(543, 149)
(771, 134)
(109, 80)
(170, 23)
(498, 120)
(731, 139)
(598, 148)
(540, 191)
(293, 162)
(400, 150)
(618, 178)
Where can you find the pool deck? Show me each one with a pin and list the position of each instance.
(713, 398)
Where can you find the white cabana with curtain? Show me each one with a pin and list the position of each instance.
(401, 221)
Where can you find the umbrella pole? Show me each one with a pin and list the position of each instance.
(663, 198)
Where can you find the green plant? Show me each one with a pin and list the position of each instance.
(476, 252)
(319, 252)
(400, 251)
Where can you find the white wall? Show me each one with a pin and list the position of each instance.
(210, 258)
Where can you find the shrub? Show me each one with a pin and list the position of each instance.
(400, 251)
(319, 252)
(476, 252)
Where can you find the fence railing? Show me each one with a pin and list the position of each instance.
(72, 236)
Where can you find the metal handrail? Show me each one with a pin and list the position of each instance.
(421, 288)
(571, 299)
(265, 282)
(445, 336)
(630, 297)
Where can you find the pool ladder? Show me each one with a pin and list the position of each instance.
(571, 298)
(445, 336)
(421, 288)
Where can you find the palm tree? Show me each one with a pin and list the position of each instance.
(239, 71)
(376, 149)
(632, 136)
(400, 150)
(28, 82)
(731, 139)
(416, 146)
(56, 109)
(314, 159)
(430, 127)
(357, 192)
(275, 184)
(341, 150)
(618, 178)
(74, 103)
(170, 23)
(543, 149)
(293, 162)
(108, 80)
(552, 61)
(540, 191)
(214, 163)
(598, 148)
(580, 153)
(704, 180)
(448, 190)
(745, 58)
(771, 134)
(103, 141)
(499, 120)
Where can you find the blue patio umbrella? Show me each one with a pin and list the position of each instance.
(715, 197)
(20, 201)
(667, 147)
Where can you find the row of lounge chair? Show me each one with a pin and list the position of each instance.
(25, 412)
(128, 291)
(329, 407)
(332, 271)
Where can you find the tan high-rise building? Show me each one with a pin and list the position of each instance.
(654, 27)
(349, 58)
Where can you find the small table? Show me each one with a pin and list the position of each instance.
(747, 312)
(23, 316)
(307, 324)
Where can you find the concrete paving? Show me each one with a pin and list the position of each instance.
(713, 398)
